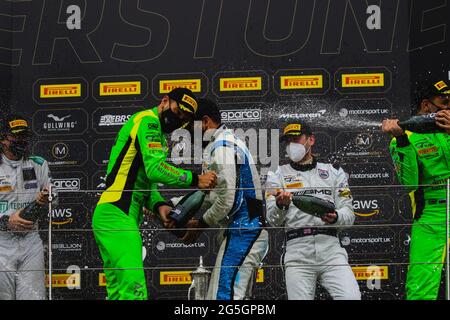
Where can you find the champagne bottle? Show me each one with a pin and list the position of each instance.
(188, 206)
(425, 123)
(313, 205)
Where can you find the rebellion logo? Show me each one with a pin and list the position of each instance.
(60, 90)
(371, 272)
(120, 88)
(301, 82)
(362, 80)
(165, 86)
(240, 84)
(170, 278)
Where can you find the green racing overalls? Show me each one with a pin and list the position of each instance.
(424, 159)
(136, 164)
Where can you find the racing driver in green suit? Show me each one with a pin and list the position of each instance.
(137, 163)
(422, 162)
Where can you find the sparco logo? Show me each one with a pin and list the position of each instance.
(108, 120)
(310, 115)
(241, 115)
(69, 184)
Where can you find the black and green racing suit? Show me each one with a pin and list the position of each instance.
(424, 159)
(136, 164)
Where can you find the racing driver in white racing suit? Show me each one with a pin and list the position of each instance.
(23, 179)
(313, 252)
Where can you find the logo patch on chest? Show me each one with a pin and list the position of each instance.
(323, 173)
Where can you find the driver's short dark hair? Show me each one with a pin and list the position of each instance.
(207, 107)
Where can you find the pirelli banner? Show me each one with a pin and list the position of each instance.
(80, 69)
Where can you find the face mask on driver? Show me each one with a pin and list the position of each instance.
(18, 148)
(170, 122)
(296, 151)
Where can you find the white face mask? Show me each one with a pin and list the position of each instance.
(296, 151)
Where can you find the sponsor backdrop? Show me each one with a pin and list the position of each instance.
(329, 62)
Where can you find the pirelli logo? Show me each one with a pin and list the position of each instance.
(101, 280)
(427, 150)
(48, 91)
(165, 86)
(65, 280)
(171, 278)
(301, 82)
(260, 276)
(371, 272)
(120, 88)
(362, 80)
(241, 84)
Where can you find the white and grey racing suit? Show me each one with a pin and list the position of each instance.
(313, 254)
(235, 205)
(22, 274)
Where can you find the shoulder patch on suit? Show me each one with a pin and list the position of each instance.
(36, 159)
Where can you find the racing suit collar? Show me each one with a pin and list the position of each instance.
(303, 167)
(218, 131)
(11, 163)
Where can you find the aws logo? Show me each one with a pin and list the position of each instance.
(366, 208)
(62, 216)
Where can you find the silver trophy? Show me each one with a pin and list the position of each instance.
(200, 282)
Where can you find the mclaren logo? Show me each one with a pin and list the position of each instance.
(371, 272)
(120, 88)
(165, 86)
(358, 80)
(170, 278)
(240, 84)
(60, 90)
(301, 82)
(65, 280)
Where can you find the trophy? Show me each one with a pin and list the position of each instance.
(200, 282)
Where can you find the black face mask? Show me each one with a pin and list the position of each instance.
(170, 122)
(18, 148)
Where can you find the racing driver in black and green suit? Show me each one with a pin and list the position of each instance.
(422, 162)
(136, 164)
